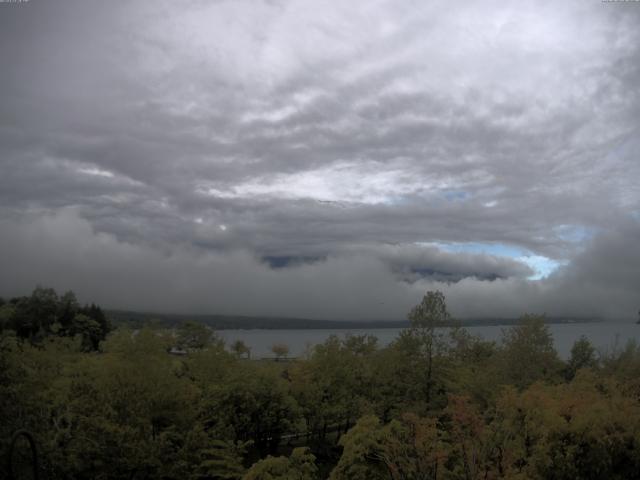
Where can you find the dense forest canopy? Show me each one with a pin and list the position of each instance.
(437, 403)
(45, 313)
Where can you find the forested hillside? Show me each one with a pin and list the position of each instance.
(435, 404)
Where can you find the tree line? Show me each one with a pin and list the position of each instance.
(437, 403)
(45, 313)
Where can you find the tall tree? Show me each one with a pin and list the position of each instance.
(89, 330)
(426, 317)
(194, 336)
(67, 309)
(240, 348)
(583, 355)
(35, 315)
(96, 313)
(528, 352)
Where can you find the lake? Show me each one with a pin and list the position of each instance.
(604, 336)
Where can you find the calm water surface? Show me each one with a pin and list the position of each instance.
(604, 336)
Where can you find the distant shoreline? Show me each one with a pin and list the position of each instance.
(238, 322)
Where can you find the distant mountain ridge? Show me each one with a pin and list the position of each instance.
(241, 322)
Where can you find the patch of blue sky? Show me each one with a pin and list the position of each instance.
(498, 249)
(542, 266)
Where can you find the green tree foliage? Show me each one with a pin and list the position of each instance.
(586, 429)
(528, 354)
(474, 366)
(583, 355)
(194, 336)
(561, 432)
(44, 313)
(253, 404)
(494, 410)
(94, 312)
(7, 311)
(299, 466)
(88, 329)
(34, 315)
(425, 339)
(407, 448)
(223, 460)
(623, 364)
(68, 308)
(336, 385)
(360, 459)
(430, 313)
(240, 348)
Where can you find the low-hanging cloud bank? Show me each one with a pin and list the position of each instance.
(63, 251)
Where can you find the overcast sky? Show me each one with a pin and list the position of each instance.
(326, 159)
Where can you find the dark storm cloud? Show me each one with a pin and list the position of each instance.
(62, 250)
(353, 135)
(412, 263)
